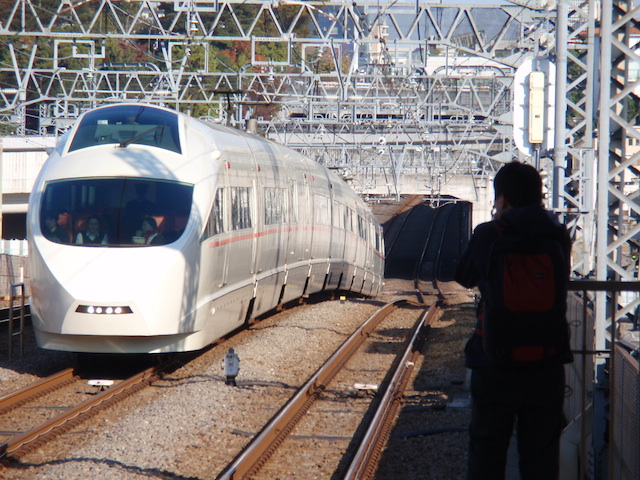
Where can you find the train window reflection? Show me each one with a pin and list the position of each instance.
(362, 231)
(215, 223)
(240, 208)
(115, 212)
(128, 124)
(322, 216)
(275, 205)
(348, 220)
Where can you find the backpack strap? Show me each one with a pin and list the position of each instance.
(500, 226)
(505, 228)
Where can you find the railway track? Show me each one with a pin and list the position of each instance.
(314, 407)
(309, 433)
(322, 442)
(24, 409)
(364, 464)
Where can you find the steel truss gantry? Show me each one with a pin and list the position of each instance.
(375, 89)
(378, 89)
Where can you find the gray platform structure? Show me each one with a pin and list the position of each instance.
(400, 97)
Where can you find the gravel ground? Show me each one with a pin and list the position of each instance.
(169, 430)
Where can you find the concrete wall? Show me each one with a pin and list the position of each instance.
(21, 159)
(478, 191)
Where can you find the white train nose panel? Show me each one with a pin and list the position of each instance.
(119, 291)
(77, 322)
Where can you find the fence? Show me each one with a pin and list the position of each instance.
(14, 247)
(603, 386)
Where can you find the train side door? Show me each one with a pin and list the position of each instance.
(304, 229)
(351, 244)
(338, 222)
(309, 221)
(294, 244)
(300, 218)
(338, 241)
(361, 249)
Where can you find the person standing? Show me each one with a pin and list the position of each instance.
(529, 398)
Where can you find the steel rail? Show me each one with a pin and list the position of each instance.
(30, 392)
(71, 417)
(417, 284)
(363, 465)
(261, 447)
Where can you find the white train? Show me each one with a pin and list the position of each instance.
(154, 232)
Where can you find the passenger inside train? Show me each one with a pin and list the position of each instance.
(83, 202)
(148, 233)
(92, 234)
(53, 231)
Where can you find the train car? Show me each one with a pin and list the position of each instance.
(154, 232)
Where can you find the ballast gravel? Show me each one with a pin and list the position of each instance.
(191, 424)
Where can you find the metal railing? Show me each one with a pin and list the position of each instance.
(603, 383)
(20, 333)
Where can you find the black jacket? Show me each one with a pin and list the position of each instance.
(532, 221)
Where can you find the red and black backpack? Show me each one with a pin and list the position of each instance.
(525, 300)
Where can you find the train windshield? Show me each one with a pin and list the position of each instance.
(128, 124)
(115, 212)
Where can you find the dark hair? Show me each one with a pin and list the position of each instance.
(519, 183)
(151, 221)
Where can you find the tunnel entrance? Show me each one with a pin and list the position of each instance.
(427, 240)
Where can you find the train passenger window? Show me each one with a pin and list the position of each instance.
(215, 223)
(322, 210)
(128, 124)
(115, 212)
(362, 230)
(240, 208)
(275, 206)
(348, 220)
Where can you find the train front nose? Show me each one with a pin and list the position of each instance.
(120, 293)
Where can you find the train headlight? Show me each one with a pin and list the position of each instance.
(102, 310)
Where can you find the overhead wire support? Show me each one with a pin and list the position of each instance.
(370, 81)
